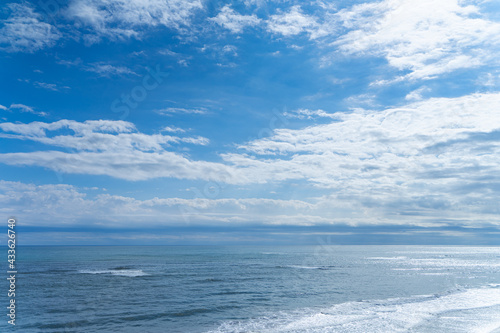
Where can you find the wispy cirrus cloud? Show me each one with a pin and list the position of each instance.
(23, 30)
(101, 68)
(119, 19)
(233, 21)
(23, 108)
(92, 20)
(49, 86)
(107, 70)
(295, 22)
(173, 129)
(308, 114)
(45, 85)
(171, 111)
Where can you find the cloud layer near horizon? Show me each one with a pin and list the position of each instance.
(424, 160)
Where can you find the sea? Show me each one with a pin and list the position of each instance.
(243, 289)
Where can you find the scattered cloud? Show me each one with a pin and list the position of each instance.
(416, 94)
(295, 22)
(416, 163)
(233, 21)
(107, 70)
(94, 135)
(414, 160)
(49, 86)
(173, 129)
(103, 69)
(182, 59)
(489, 80)
(69, 204)
(70, 63)
(23, 31)
(367, 100)
(308, 114)
(169, 53)
(230, 49)
(172, 111)
(113, 148)
(24, 108)
(426, 40)
(437, 157)
(44, 85)
(116, 19)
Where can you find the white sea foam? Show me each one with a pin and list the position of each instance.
(119, 272)
(476, 310)
(305, 267)
(387, 258)
(450, 262)
(448, 250)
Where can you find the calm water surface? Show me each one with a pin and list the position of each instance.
(257, 289)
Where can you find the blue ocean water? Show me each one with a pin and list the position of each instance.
(240, 289)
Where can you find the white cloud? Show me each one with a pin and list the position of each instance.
(65, 204)
(173, 129)
(172, 111)
(101, 68)
(295, 22)
(427, 39)
(308, 114)
(62, 205)
(233, 21)
(431, 162)
(70, 63)
(112, 148)
(97, 136)
(169, 53)
(25, 108)
(489, 80)
(108, 70)
(435, 157)
(23, 31)
(118, 19)
(49, 86)
(22, 108)
(44, 85)
(130, 165)
(416, 94)
(361, 101)
(230, 49)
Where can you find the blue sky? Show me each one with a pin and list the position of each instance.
(254, 122)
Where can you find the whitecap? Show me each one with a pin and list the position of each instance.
(119, 272)
(387, 258)
(474, 308)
